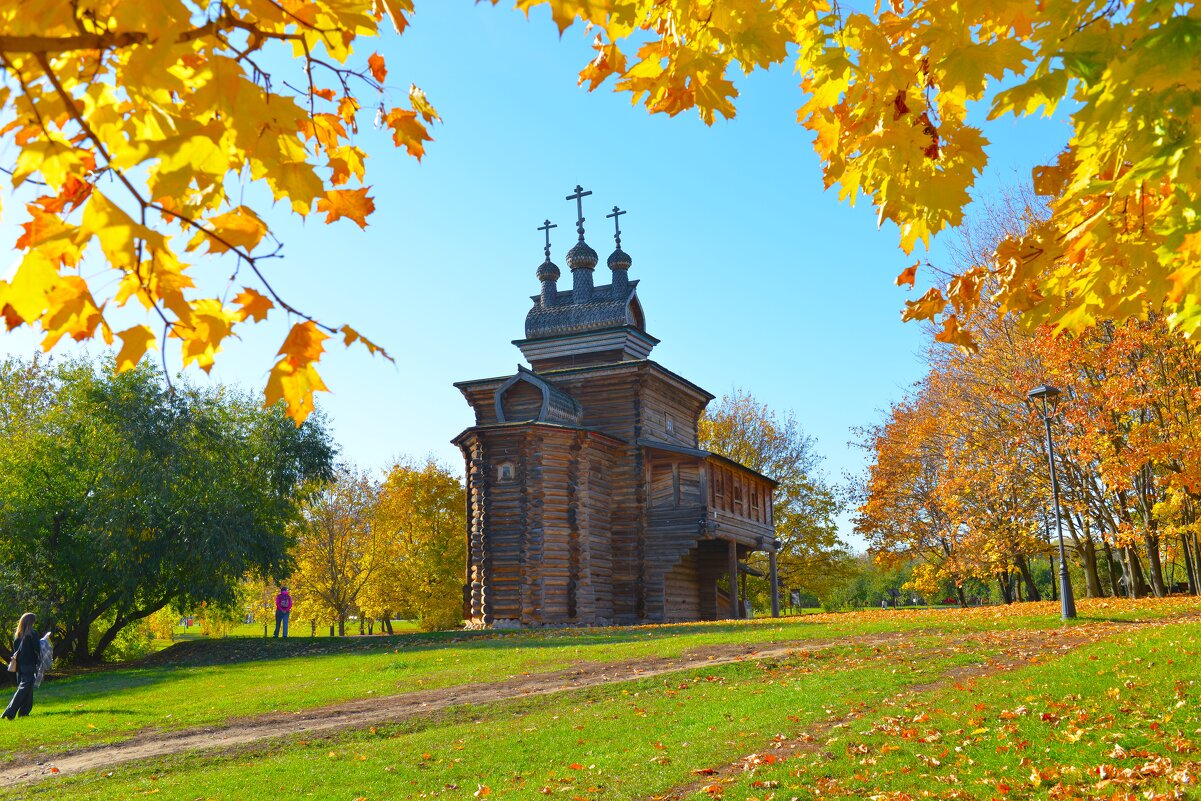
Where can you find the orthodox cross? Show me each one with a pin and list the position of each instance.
(546, 226)
(578, 197)
(616, 224)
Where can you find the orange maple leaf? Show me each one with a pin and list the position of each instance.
(378, 71)
(350, 203)
(908, 275)
(408, 131)
(255, 304)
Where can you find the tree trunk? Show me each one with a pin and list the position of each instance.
(959, 594)
(342, 625)
(1112, 567)
(1092, 579)
(1154, 562)
(264, 628)
(1190, 569)
(331, 629)
(312, 628)
(1006, 589)
(370, 626)
(1031, 588)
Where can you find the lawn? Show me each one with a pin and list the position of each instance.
(640, 738)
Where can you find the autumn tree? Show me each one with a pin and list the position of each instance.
(338, 549)
(119, 498)
(421, 516)
(140, 122)
(804, 504)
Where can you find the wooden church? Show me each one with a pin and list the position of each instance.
(588, 499)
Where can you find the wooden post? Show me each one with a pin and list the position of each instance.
(775, 581)
(735, 605)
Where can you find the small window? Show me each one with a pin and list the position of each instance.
(504, 471)
(670, 424)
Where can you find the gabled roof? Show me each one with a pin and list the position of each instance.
(607, 308)
(557, 405)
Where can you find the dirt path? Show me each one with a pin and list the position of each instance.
(1020, 647)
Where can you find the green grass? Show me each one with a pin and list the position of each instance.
(210, 682)
(1122, 716)
(617, 742)
(610, 732)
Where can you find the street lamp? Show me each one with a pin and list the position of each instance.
(1049, 396)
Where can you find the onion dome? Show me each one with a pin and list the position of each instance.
(619, 260)
(581, 256)
(548, 271)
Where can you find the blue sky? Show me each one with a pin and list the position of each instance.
(751, 275)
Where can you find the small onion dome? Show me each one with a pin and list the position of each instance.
(581, 257)
(548, 271)
(620, 260)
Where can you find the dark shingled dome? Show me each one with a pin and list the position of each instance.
(548, 271)
(582, 257)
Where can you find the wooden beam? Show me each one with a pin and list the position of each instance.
(735, 604)
(774, 579)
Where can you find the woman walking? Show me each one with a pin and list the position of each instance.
(26, 653)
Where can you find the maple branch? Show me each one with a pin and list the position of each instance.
(167, 213)
(32, 44)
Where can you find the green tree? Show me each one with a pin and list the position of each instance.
(804, 505)
(119, 496)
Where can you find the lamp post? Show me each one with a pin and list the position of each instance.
(1049, 396)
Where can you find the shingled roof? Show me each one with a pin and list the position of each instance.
(607, 308)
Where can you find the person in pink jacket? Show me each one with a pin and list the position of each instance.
(283, 608)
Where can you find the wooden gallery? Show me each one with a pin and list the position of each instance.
(588, 499)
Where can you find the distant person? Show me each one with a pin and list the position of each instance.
(283, 608)
(884, 603)
(26, 656)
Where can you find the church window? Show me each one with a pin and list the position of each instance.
(504, 471)
(669, 424)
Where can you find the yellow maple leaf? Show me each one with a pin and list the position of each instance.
(135, 342)
(237, 228)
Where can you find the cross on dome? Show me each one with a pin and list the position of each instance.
(616, 225)
(578, 197)
(546, 226)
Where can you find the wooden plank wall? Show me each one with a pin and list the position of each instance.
(664, 401)
(505, 523)
(611, 403)
(682, 589)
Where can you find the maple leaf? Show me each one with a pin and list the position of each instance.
(294, 379)
(908, 275)
(925, 307)
(238, 228)
(255, 305)
(376, 63)
(135, 342)
(352, 204)
(351, 336)
(408, 131)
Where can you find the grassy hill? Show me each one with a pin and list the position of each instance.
(980, 703)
